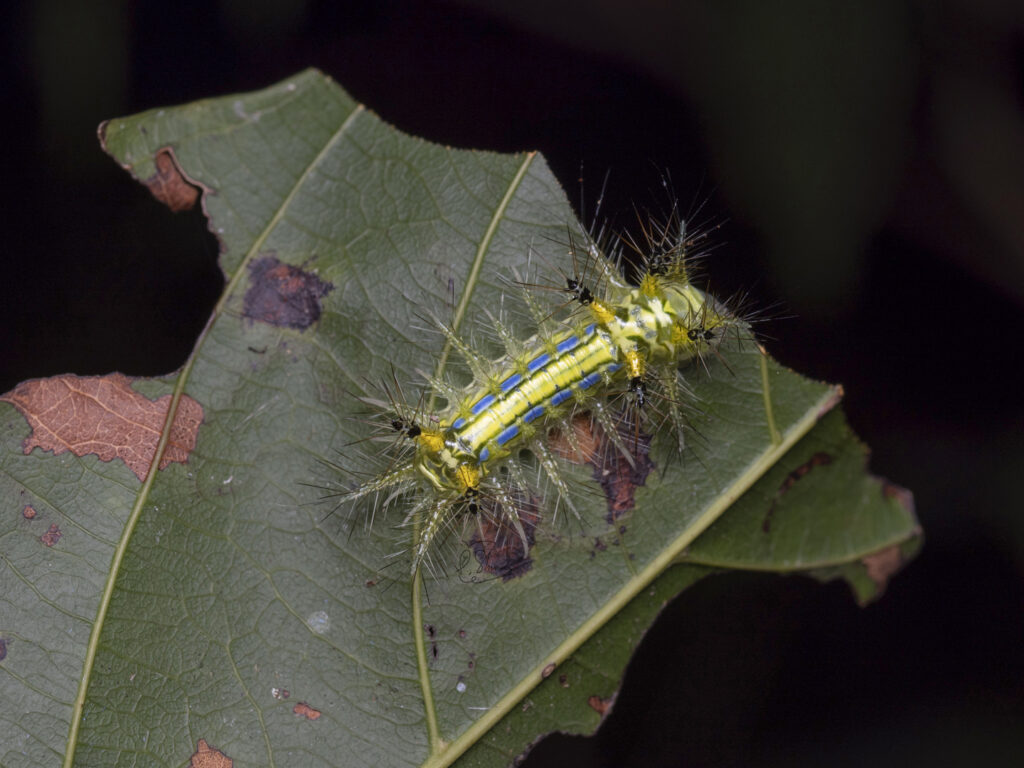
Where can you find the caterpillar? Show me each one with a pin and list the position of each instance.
(621, 345)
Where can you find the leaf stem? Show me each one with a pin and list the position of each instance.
(437, 744)
(165, 435)
(474, 270)
(634, 586)
(766, 393)
(112, 574)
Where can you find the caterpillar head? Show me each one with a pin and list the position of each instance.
(701, 323)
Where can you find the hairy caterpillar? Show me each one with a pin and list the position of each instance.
(620, 346)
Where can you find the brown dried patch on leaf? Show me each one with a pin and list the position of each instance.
(29, 512)
(820, 459)
(599, 705)
(52, 536)
(902, 496)
(206, 756)
(502, 538)
(883, 564)
(588, 437)
(283, 295)
(546, 672)
(302, 709)
(104, 416)
(170, 185)
(618, 478)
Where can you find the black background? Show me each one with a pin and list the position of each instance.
(866, 165)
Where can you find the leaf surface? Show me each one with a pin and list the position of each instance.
(212, 607)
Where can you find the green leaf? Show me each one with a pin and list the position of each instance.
(148, 614)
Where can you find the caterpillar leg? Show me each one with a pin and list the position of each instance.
(673, 392)
(397, 481)
(611, 429)
(508, 503)
(513, 347)
(434, 518)
(518, 481)
(550, 467)
(541, 318)
(503, 533)
(441, 387)
(481, 367)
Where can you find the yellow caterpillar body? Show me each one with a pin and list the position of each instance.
(626, 343)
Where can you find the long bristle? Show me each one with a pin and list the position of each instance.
(524, 487)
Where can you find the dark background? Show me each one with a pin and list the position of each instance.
(866, 162)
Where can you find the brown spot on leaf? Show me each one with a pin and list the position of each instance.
(169, 184)
(882, 564)
(302, 709)
(618, 478)
(586, 436)
(3, 649)
(902, 496)
(52, 536)
(599, 705)
(206, 756)
(29, 512)
(820, 459)
(501, 543)
(546, 672)
(283, 294)
(563, 680)
(104, 416)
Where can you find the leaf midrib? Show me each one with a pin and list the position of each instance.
(634, 586)
(165, 433)
(438, 745)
